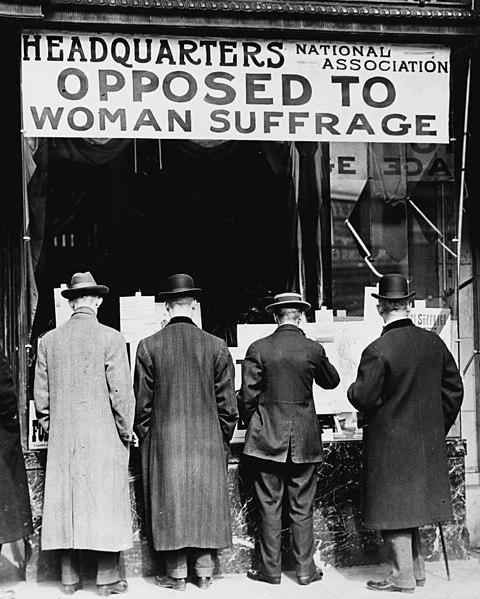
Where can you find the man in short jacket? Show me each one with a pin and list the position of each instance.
(283, 438)
(410, 391)
(185, 417)
(84, 400)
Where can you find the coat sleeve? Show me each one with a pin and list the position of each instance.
(326, 375)
(117, 371)
(41, 392)
(252, 384)
(365, 394)
(143, 386)
(8, 395)
(224, 382)
(452, 390)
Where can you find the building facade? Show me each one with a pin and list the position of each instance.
(260, 146)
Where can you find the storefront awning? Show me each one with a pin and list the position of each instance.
(21, 8)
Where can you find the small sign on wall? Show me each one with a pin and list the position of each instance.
(37, 437)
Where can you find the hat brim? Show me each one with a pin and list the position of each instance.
(80, 291)
(305, 306)
(193, 292)
(391, 298)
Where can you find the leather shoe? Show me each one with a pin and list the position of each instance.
(384, 585)
(261, 577)
(317, 575)
(421, 582)
(69, 589)
(168, 582)
(114, 588)
(203, 582)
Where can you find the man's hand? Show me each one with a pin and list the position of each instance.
(134, 442)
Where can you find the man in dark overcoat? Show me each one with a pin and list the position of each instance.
(84, 400)
(283, 438)
(15, 514)
(185, 418)
(410, 391)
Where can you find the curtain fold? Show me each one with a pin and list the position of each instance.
(89, 151)
(36, 154)
(302, 161)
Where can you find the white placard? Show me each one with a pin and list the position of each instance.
(149, 86)
(62, 307)
(138, 319)
(37, 437)
(137, 316)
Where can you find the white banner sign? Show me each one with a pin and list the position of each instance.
(137, 86)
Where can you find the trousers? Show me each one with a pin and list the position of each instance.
(108, 566)
(299, 482)
(405, 556)
(176, 561)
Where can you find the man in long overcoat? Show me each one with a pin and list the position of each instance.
(84, 400)
(283, 436)
(410, 391)
(185, 418)
(15, 514)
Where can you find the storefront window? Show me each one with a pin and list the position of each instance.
(256, 167)
(249, 219)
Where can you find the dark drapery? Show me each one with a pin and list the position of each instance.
(36, 154)
(300, 165)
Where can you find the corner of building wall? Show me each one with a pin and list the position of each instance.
(469, 411)
(472, 491)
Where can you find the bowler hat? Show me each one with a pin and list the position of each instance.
(393, 287)
(288, 300)
(83, 283)
(179, 285)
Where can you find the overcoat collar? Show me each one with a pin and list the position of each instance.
(84, 311)
(397, 324)
(181, 319)
(289, 327)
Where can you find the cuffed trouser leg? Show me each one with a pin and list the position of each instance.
(108, 567)
(418, 559)
(269, 486)
(176, 563)
(70, 564)
(204, 561)
(301, 482)
(399, 545)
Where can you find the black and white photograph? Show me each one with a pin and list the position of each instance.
(240, 299)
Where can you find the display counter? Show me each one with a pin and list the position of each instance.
(341, 540)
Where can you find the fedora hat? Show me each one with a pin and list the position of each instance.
(83, 283)
(288, 300)
(393, 287)
(178, 285)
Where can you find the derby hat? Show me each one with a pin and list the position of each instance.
(393, 287)
(179, 285)
(83, 283)
(288, 300)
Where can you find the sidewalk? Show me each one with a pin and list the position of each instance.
(340, 583)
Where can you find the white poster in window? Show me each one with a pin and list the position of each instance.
(62, 307)
(37, 437)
